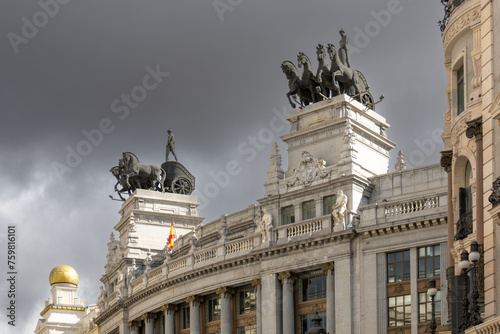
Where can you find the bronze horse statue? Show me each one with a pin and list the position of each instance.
(296, 87)
(154, 175)
(348, 77)
(308, 78)
(324, 76)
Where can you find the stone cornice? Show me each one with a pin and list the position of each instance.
(400, 226)
(257, 255)
(60, 307)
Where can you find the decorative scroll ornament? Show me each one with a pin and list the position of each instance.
(194, 300)
(446, 160)
(286, 275)
(328, 266)
(310, 169)
(474, 129)
(225, 291)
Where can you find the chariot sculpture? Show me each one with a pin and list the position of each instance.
(329, 81)
(171, 177)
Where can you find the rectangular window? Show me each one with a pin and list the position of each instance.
(425, 307)
(185, 321)
(249, 329)
(328, 203)
(305, 321)
(399, 310)
(308, 210)
(287, 215)
(312, 286)
(429, 264)
(246, 300)
(460, 90)
(398, 266)
(213, 307)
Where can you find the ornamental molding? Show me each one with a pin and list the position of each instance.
(256, 282)
(64, 308)
(169, 308)
(391, 228)
(475, 129)
(148, 316)
(446, 160)
(328, 266)
(317, 308)
(225, 291)
(460, 24)
(290, 278)
(194, 300)
(134, 324)
(267, 253)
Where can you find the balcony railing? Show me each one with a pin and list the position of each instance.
(449, 7)
(464, 226)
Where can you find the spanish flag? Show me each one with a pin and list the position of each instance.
(171, 236)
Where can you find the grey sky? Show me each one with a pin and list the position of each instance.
(224, 82)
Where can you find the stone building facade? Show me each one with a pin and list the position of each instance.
(471, 41)
(271, 267)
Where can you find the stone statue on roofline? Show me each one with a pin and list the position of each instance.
(265, 225)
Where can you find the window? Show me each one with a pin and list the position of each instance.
(398, 266)
(249, 329)
(185, 321)
(429, 261)
(465, 194)
(305, 321)
(328, 203)
(308, 210)
(246, 300)
(312, 286)
(287, 215)
(460, 90)
(425, 307)
(213, 307)
(399, 310)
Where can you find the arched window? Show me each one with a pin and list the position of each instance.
(465, 195)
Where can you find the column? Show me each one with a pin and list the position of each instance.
(446, 160)
(149, 319)
(382, 292)
(225, 317)
(287, 281)
(444, 286)
(328, 269)
(194, 313)
(343, 296)
(256, 283)
(133, 327)
(169, 311)
(414, 289)
(271, 307)
(475, 129)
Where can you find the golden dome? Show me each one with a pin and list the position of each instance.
(63, 274)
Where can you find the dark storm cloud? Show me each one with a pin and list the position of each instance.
(224, 82)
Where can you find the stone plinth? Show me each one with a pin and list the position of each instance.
(146, 219)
